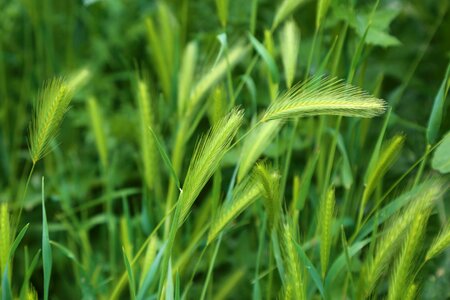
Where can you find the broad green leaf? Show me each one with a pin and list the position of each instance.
(441, 157)
(434, 123)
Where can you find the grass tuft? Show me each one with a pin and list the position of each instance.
(395, 233)
(402, 275)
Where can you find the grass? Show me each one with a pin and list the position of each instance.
(224, 150)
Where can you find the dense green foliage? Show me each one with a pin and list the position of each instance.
(224, 149)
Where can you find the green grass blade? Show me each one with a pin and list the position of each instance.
(267, 58)
(166, 159)
(29, 272)
(434, 123)
(315, 275)
(169, 282)
(130, 273)
(151, 275)
(6, 287)
(17, 241)
(337, 266)
(46, 248)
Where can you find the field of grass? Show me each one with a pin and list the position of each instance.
(227, 149)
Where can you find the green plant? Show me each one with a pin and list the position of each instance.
(224, 149)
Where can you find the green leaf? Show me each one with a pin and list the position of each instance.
(28, 273)
(305, 181)
(150, 276)
(267, 58)
(6, 287)
(311, 269)
(169, 282)
(131, 281)
(441, 157)
(340, 262)
(17, 241)
(166, 159)
(390, 209)
(434, 123)
(46, 248)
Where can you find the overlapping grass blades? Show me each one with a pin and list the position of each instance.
(324, 96)
(395, 234)
(403, 272)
